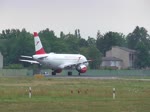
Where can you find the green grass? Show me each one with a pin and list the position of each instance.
(73, 95)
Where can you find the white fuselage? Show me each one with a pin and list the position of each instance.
(58, 61)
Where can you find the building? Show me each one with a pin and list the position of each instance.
(1, 61)
(111, 62)
(120, 57)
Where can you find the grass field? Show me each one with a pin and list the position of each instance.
(73, 95)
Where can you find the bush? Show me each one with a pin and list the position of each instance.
(14, 66)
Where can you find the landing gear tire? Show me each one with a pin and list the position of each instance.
(53, 73)
(69, 73)
(79, 74)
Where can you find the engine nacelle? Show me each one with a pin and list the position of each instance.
(81, 68)
(58, 71)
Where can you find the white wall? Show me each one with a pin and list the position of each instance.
(1, 61)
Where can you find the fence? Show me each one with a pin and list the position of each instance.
(14, 72)
(101, 73)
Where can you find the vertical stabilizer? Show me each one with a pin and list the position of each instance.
(38, 45)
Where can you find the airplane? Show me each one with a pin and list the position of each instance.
(56, 62)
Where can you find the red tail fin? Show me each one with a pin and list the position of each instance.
(38, 45)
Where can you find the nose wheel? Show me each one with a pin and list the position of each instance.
(79, 73)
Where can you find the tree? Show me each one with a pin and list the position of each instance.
(48, 39)
(99, 42)
(139, 40)
(91, 52)
(95, 55)
(22, 45)
(91, 41)
(82, 43)
(60, 46)
(62, 35)
(72, 43)
(139, 34)
(105, 43)
(143, 56)
(77, 33)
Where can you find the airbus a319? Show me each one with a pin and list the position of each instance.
(56, 62)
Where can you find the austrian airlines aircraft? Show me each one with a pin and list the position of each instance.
(57, 62)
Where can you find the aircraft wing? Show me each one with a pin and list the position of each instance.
(65, 65)
(30, 61)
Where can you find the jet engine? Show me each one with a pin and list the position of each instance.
(81, 68)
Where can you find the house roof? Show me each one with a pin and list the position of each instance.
(126, 49)
(111, 59)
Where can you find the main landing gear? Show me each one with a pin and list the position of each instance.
(69, 73)
(53, 73)
(79, 73)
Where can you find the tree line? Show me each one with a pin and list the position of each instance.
(15, 42)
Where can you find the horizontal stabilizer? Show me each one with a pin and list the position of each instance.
(26, 56)
(29, 61)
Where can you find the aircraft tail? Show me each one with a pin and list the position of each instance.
(38, 45)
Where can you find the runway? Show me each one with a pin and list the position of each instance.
(81, 77)
(99, 77)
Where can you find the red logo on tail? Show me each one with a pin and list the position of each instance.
(37, 43)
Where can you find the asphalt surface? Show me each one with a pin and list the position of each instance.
(96, 77)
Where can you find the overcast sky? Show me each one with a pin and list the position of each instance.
(67, 15)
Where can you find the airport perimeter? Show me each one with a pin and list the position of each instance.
(90, 73)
